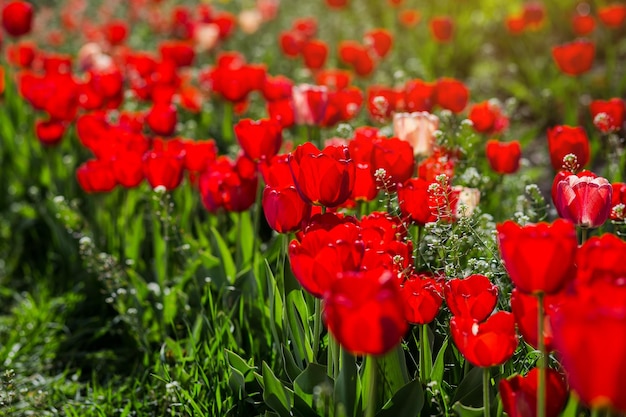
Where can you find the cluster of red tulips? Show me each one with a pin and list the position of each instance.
(568, 298)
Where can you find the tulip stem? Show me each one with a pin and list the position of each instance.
(425, 360)
(584, 233)
(486, 389)
(227, 124)
(541, 385)
(370, 410)
(317, 324)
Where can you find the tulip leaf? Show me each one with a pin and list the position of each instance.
(470, 390)
(465, 411)
(313, 376)
(225, 256)
(407, 402)
(437, 372)
(571, 410)
(275, 304)
(292, 369)
(275, 394)
(347, 384)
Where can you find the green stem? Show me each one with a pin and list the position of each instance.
(317, 327)
(584, 234)
(227, 123)
(416, 244)
(425, 359)
(486, 387)
(541, 385)
(370, 409)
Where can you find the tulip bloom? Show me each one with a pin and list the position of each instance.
(314, 53)
(229, 184)
(442, 28)
(612, 15)
(519, 394)
(163, 169)
(583, 24)
(524, 308)
(574, 58)
(586, 201)
(601, 259)
(451, 94)
(608, 115)
(422, 296)
(17, 17)
(309, 103)
(364, 311)
(395, 156)
(96, 176)
(162, 119)
(415, 201)
(322, 177)
(619, 197)
(380, 40)
(417, 129)
(474, 296)
(487, 117)
(564, 140)
(485, 344)
(284, 210)
(419, 96)
(538, 257)
(503, 157)
(260, 139)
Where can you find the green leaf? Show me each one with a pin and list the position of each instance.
(347, 384)
(313, 376)
(225, 256)
(275, 394)
(407, 402)
(237, 363)
(291, 367)
(470, 390)
(437, 372)
(465, 411)
(572, 407)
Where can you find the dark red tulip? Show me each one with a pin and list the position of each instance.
(601, 259)
(534, 14)
(474, 296)
(395, 157)
(564, 140)
(162, 119)
(17, 17)
(451, 94)
(284, 209)
(524, 308)
(323, 177)
(96, 176)
(612, 15)
(538, 257)
(322, 253)
(574, 58)
(415, 201)
(365, 313)
(585, 201)
(227, 184)
(291, 43)
(487, 117)
(259, 139)
(50, 132)
(127, 167)
(199, 154)
(422, 297)
(590, 337)
(485, 344)
(180, 53)
(442, 28)
(163, 169)
(519, 394)
(503, 157)
(608, 115)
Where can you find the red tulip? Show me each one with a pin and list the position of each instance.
(323, 177)
(382, 102)
(128, 168)
(409, 18)
(574, 58)
(608, 116)
(380, 228)
(17, 17)
(395, 157)
(618, 202)
(538, 257)
(365, 313)
(309, 103)
(601, 260)
(485, 344)
(314, 53)
(503, 157)
(96, 176)
(451, 94)
(524, 307)
(365, 188)
(227, 184)
(564, 140)
(419, 95)
(50, 132)
(440, 162)
(284, 210)
(515, 24)
(276, 88)
(534, 14)
(589, 334)
(586, 201)
(334, 79)
(583, 24)
(442, 28)
(115, 32)
(282, 111)
(260, 139)
(422, 297)
(199, 154)
(474, 297)
(415, 201)
(162, 119)
(322, 253)
(380, 40)
(337, 4)
(612, 15)
(519, 394)
(487, 117)
(163, 169)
